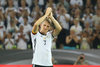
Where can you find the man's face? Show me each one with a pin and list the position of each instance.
(76, 22)
(45, 27)
(72, 32)
(21, 28)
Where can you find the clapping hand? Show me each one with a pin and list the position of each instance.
(48, 11)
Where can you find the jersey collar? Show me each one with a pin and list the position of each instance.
(42, 33)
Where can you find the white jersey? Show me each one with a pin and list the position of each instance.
(42, 49)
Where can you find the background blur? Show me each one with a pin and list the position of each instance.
(80, 20)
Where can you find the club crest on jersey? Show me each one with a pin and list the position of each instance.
(44, 38)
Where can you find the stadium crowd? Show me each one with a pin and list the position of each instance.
(80, 20)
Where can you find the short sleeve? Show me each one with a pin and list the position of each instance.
(33, 35)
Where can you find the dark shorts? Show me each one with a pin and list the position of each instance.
(40, 66)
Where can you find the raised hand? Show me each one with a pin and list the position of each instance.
(50, 15)
(48, 11)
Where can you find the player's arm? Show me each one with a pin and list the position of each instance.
(58, 28)
(39, 21)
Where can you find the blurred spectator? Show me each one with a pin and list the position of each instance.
(2, 32)
(72, 39)
(9, 41)
(38, 15)
(35, 3)
(89, 5)
(15, 2)
(81, 15)
(24, 11)
(96, 36)
(76, 3)
(75, 13)
(27, 26)
(61, 39)
(21, 19)
(85, 40)
(21, 39)
(12, 28)
(81, 60)
(59, 6)
(23, 8)
(89, 31)
(64, 18)
(65, 3)
(96, 18)
(77, 27)
(27, 29)
(10, 7)
(87, 28)
(87, 17)
(35, 13)
(12, 17)
(8, 11)
(3, 3)
(41, 4)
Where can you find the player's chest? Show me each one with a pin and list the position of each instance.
(44, 40)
